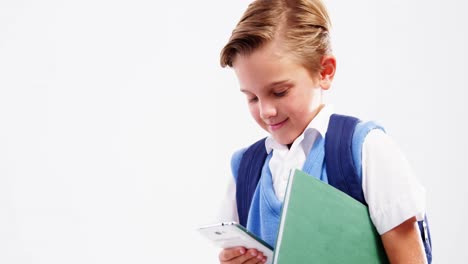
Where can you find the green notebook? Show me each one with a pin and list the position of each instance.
(321, 224)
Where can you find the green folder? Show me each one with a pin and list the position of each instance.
(321, 224)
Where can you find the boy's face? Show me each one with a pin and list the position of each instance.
(283, 97)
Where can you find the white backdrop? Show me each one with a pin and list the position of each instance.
(117, 123)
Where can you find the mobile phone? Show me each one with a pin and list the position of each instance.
(232, 234)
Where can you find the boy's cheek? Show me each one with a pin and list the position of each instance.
(254, 112)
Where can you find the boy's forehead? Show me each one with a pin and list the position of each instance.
(263, 68)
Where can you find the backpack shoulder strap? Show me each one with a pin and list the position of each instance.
(339, 163)
(249, 172)
(426, 238)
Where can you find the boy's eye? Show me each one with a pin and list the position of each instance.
(252, 99)
(280, 94)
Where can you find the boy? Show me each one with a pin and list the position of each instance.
(281, 54)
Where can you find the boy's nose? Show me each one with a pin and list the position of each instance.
(267, 110)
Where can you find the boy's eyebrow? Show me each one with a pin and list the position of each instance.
(277, 83)
(271, 85)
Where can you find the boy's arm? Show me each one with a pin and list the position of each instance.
(403, 244)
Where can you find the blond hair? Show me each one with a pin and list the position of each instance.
(301, 26)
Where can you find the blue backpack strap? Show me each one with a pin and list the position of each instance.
(250, 170)
(341, 171)
(426, 238)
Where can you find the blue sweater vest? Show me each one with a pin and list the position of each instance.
(265, 209)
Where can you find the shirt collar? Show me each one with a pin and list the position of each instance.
(318, 124)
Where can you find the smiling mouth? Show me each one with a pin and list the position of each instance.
(277, 126)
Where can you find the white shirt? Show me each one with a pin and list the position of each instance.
(390, 188)
(284, 159)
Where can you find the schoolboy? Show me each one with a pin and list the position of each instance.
(280, 51)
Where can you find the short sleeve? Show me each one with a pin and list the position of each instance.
(390, 187)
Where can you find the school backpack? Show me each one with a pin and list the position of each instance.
(339, 164)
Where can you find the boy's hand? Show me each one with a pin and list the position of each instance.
(240, 255)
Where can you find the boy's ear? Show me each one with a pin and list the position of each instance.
(327, 73)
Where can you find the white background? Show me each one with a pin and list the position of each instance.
(117, 123)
